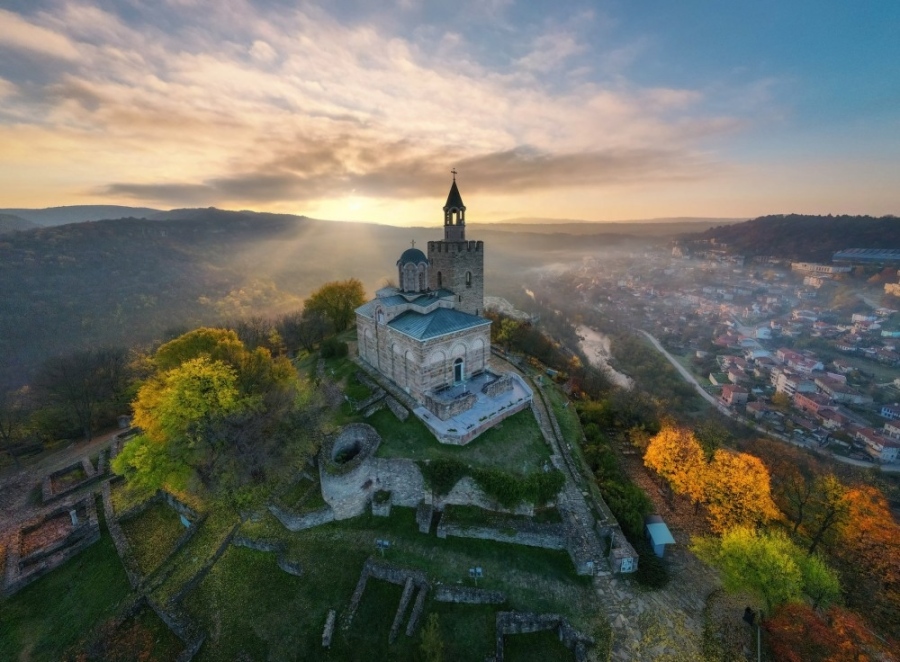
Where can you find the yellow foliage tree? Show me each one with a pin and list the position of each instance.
(676, 455)
(738, 491)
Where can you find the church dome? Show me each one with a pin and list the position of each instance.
(412, 256)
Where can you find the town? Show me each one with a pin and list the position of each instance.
(806, 352)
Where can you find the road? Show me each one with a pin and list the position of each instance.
(715, 402)
(887, 468)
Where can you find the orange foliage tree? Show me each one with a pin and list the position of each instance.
(867, 551)
(797, 633)
(737, 491)
(676, 455)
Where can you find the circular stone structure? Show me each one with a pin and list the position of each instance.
(349, 448)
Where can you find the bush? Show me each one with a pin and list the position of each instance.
(332, 348)
(651, 571)
(507, 490)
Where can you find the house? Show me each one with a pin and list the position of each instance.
(891, 412)
(734, 395)
(879, 446)
(840, 392)
(892, 430)
(812, 402)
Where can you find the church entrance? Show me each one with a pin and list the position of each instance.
(458, 371)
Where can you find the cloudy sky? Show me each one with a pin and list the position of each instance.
(357, 110)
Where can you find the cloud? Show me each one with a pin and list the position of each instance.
(243, 103)
(19, 34)
(403, 174)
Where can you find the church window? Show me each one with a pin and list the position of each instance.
(468, 279)
(440, 280)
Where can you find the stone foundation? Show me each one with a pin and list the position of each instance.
(24, 566)
(513, 622)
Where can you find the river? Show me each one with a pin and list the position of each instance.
(595, 346)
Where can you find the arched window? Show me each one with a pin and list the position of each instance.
(440, 280)
(468, 279)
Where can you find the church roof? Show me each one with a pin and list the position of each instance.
(422, 301)
(454, 199)
(436, 323)
(413, 255)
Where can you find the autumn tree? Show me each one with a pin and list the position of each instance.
(737, 491)
(798, 633)
(676, 455)
(767, 565)
(220, 415)
(828, 509)
(866, 548)
(337, 301)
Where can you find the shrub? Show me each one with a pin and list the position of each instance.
(332, 348)
(651, 571)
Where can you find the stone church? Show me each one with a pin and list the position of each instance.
(428, 336)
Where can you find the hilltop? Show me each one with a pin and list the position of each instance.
(132, 280)
(803, 237)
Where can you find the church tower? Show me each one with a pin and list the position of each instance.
(456, 264)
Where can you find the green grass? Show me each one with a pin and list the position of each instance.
(535, 647)
(125, 496)
(515, 445)
(197, 551)
(166, 645)
(49, 616)
(152, 535)
(475, 516)
(356, 390)
(247, 604)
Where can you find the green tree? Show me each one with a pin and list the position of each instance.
(220, 417)
(829, 508)
(432, 646)
(767, 565)
(337, 301)
(14, 413)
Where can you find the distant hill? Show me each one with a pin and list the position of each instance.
(11, 223)
(658, 227)
(800, 237)
(132, 280)
(78, 213)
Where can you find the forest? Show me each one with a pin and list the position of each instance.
(802, 237)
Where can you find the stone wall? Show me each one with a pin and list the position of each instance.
(296, 522)
(468, 595)
(517, 532)
(418, 367)
(123, 547)
(48, 493)
(452, 259)
(22, 570)
(498, 387)
(513, 622)
(276, 547)
(446, 409)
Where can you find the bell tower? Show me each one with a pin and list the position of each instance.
(455, 263)
(454, 214)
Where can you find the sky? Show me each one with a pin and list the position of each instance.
(358, 110)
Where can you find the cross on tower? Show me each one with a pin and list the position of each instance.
(413, 242)
(454, 174)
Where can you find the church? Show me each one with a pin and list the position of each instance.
(427, 335)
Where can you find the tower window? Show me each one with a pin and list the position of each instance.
(468, 279)
(440, 280)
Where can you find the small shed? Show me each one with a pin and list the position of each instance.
(658, 534)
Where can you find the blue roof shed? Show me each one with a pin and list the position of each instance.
(659, 534)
